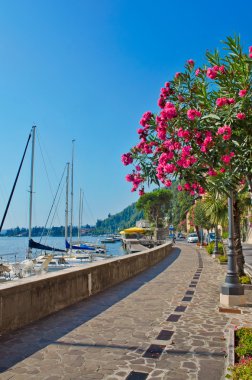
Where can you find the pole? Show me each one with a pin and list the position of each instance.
(66, 211)
(15, 182)
(79, 226)
(71, 223)
(216, 249)
(82, 195)
(231, 287)
(29, 252)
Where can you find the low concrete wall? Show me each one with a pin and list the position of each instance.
(29, 299)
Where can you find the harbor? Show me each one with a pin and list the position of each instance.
(13, 250)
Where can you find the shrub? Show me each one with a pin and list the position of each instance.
(224, 235)
(245, 280)
(223, 259)
(210, 248)
(243, 369)
(244, 343)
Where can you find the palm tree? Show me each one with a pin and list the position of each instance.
(215, 205)
(216, 209)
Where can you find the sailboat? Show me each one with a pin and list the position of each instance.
(71, 246)
(78, 250)
(27, 267)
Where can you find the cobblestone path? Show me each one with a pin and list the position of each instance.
(162, 324)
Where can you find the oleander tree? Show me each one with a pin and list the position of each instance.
(203, 128)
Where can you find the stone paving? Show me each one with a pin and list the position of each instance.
(162, 324)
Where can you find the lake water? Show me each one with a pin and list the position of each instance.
(15, 248)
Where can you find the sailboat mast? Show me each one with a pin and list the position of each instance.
(66, 211)
(29, 253)
(71, 222)
(80, 213)
(79, 225)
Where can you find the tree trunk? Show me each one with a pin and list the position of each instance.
(237, 238)
(197, 232)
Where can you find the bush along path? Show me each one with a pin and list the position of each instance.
(242, 369)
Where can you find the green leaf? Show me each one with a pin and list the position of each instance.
(236, 143)
(211, 116)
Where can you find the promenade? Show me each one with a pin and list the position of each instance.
(162, 324)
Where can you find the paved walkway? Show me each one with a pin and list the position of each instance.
(162, 324)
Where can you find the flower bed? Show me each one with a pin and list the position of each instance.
(242, 369)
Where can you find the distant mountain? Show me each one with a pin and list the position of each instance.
(124, 219)
(112, 224)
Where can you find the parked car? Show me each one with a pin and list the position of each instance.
(181, 236)
(192, 238)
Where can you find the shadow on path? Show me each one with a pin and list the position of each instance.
(24, 342)
(134, 348)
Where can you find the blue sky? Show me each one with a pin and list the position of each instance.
(87, 70)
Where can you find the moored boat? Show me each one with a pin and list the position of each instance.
(108, 239)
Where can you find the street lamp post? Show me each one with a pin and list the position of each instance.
(216, 249)
(232, 292)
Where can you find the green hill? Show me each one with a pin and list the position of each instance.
(124, 219)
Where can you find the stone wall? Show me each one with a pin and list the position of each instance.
(29, 299)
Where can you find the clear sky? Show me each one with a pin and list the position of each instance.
(87, 70)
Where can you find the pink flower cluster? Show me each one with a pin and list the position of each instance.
(169, 112)
(191, 62)
(212, 72)
(168, 183)
(170, 168)
(141, 192)
(241, 115)
(250, 52)
(192, 114)
(227, 158)
(220, 102)
(184, 134)
(212, 172)
(186, 158)
(127, 159)
(197, 72)
(206, 142)
(225, 131)
(136, 179)
(146, 118)
(143, 133)
(144, 147)
(165, 92)
(164, 167)
(192, 188)
(242, 93)
(171, 145)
